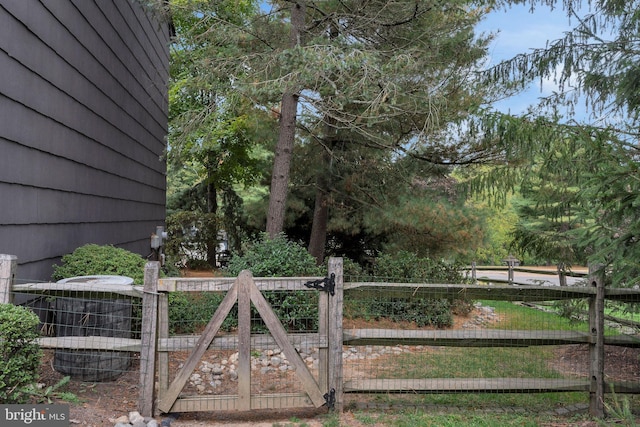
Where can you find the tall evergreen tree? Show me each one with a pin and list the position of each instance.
(597, 62)
(389, 75)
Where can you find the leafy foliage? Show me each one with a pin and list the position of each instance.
(190, 234)
(590, 209)
(377, 82)
(410, 267)
(92, 259)
(215, 138)
(55, 391)
(189, 312)
(405, 267)
(280, 257)
(19, 353)
(423, 312)
(550, 203)
(274, 257)
(612, 210)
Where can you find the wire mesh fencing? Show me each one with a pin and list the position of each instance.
(497, 345)
(90, 329)
(221, 343)
(197, 308)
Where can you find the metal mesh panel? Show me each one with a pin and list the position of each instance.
(191, 312)
(90, 335)
(514, 345)
(480, 345)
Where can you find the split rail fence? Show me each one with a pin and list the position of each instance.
(350, 358)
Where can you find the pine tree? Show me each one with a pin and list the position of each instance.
(597, 62)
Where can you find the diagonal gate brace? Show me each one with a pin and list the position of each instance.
(279, 334)
(170, 396)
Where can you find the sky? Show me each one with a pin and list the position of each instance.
(519, 32)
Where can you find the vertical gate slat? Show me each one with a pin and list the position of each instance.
(163, 333)
(244, 342)
(596, 346)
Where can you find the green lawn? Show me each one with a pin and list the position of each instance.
(491, 362)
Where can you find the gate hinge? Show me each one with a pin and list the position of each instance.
(328, 284)
(330, 399)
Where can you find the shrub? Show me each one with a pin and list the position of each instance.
(279, 257)
(189, 312)
(19, 352)
(410, 267)
(405, 266)
(92, 259)
(352, 270)
(421, 311)
(276, 257)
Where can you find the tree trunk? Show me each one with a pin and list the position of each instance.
(286, 137)
(282, 165)
(318, 238)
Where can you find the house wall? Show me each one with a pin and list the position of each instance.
(83, 119)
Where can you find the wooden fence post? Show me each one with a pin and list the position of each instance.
(245, 282)
(596, 344)
(323, 331)
(148, 342)
(163, 333)
(561, 268)
(336, 301)
(473, 273)
(8, 264)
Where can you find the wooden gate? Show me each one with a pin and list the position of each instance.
(326, 390)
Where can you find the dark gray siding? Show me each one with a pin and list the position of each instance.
(83, 119)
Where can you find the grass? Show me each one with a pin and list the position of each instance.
(473, 402)
(454, 362)
(490, 362)
(420, 418)
(622, 311)
(525, 318)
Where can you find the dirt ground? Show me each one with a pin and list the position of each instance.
(103, 402)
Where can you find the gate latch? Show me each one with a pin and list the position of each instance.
(330, 399)
(328, 284)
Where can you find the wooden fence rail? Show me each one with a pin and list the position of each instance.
(155, 338)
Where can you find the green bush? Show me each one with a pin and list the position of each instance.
(405, 267)
(410, 267)
(19, 352)
(352, 271)
(435, 312)
(279, 257)
(189, 312)
(92, 259)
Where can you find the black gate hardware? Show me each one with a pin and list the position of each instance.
(328, 282)
(330, 399)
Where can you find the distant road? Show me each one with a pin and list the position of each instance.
(547, 276)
